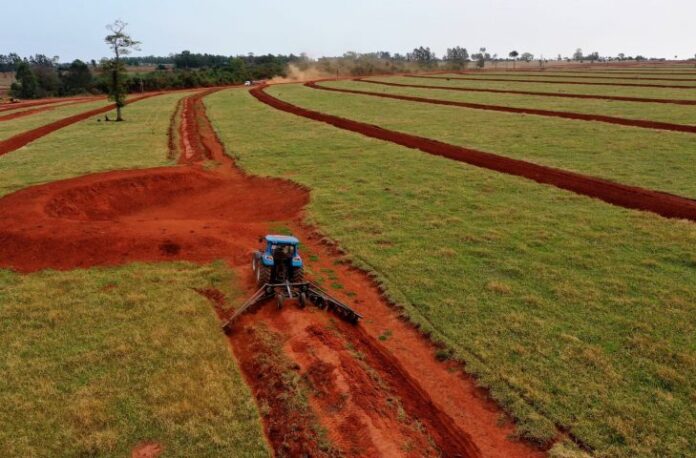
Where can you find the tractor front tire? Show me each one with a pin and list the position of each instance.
(263, 274)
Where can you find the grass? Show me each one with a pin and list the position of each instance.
(635, 156)
(570, 78)
(97, 361)
(17, 126)
(656, 93)
(570, 74)
(678, 114)
(575, 313)
(90, 147)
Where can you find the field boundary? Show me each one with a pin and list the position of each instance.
(664, 204)
(533, 111)
(632, 78)
(583, 83)
(544, 94)
(20, 140)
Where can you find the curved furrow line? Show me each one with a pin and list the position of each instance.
(583, 83)
(544, 94)
(533, 111)
(20, 140)
(632, 78)
(664, 204)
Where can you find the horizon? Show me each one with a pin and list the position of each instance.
(322, 30)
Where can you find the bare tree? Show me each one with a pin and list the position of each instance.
(121, 44)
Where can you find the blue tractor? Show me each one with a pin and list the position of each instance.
(279, 261)
(279, 273)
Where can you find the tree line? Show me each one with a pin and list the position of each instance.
(40, 76)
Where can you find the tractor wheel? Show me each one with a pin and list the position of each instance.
(297, 275)
(302, 300)
(263, 275)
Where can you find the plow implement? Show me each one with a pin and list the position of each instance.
(304, 292)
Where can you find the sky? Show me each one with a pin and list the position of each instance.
(75, 28)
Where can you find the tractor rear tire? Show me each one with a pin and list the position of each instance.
(297, 275)
(263, 274)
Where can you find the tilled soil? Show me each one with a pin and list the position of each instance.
(373, 397)
(615, 193)
(533, 111)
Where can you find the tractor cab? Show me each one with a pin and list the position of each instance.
(279, 261)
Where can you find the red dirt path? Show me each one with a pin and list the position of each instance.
(368, 403)
(615, 193)
(14, 115)
(41, 102)
(19, 140)
(550, 113)
(584, 83)
(545, 94)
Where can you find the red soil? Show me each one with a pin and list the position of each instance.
(367, 394)
(533, 111)
(147, 450)
(553, 82)
(545, 94)
(626, 196)
(19, 140)
(41, 109)
(41, 102)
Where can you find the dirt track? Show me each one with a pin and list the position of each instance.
(545, 94)
(42, 102)
(14, 115)
(618, 194)
(19, 140)
(584, 83)
(550, 113)
(389, 398)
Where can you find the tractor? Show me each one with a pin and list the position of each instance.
(279, 272)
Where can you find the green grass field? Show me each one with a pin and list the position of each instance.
(19, 125)
(656, 93)
(678, 114)
(97, 361)
(570, 78)
(635, 156)
(90, 146)
(575, 313)
(615, 76)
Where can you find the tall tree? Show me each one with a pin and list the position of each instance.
(26, 86)
(457, 56)
(481, 62)
(77, 79)
(513, 55)
(121, 44)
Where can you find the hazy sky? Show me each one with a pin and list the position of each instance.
(75, 28)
